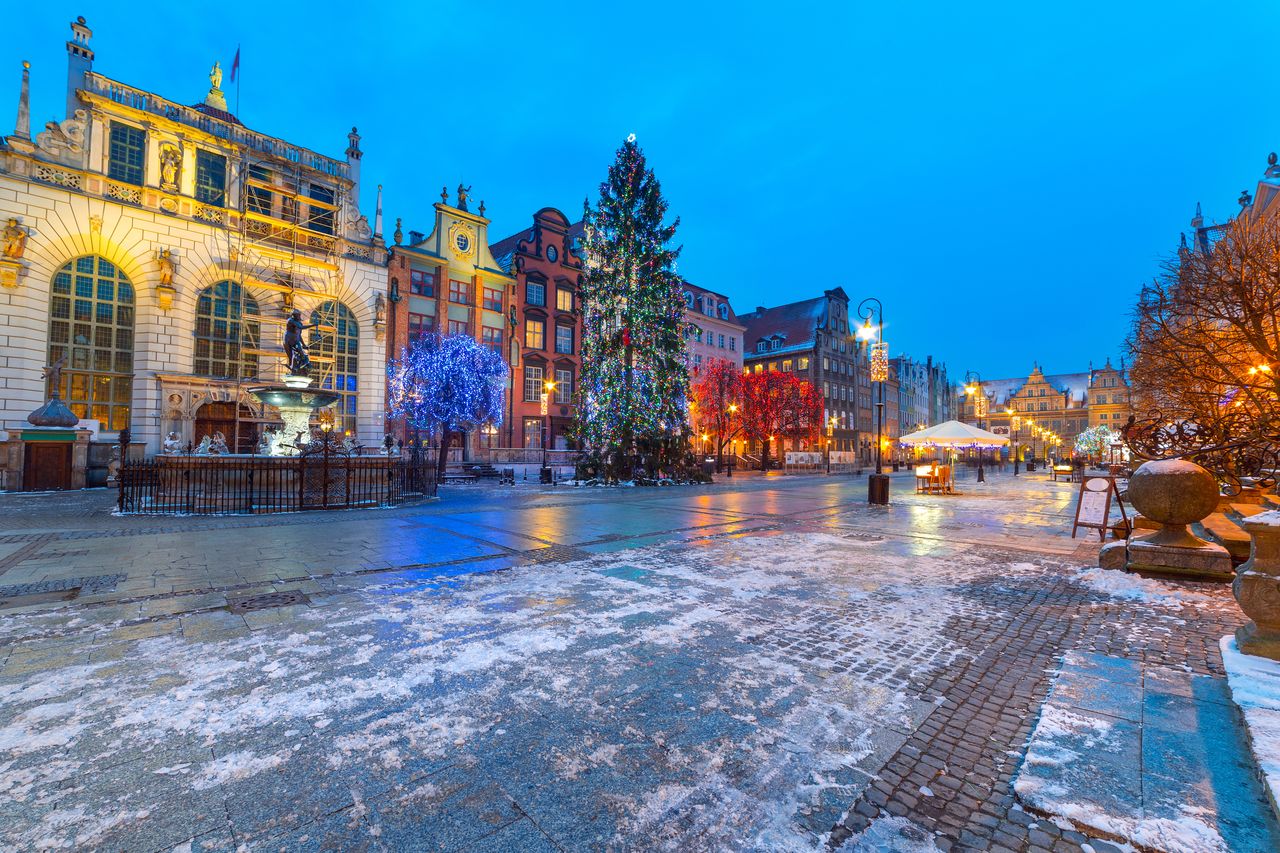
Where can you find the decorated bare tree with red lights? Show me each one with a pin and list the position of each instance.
(779, 405)
(716, 394)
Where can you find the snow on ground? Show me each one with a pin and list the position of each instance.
(1255, 687)
(889, 834)
(1136, 588)
(728, 694)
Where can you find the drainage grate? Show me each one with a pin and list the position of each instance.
(865, 537)
(267, 601)
(556, 554)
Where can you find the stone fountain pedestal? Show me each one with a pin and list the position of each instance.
(1173, 493)
(296, 403)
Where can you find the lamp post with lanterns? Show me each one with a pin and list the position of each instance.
(547, 388)
(873, 336)
(973, 388)
(1014, 423)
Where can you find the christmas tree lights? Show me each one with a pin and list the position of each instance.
(447, 384)
(634, 388)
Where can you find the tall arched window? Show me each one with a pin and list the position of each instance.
(91, 325)
(338, 339)
(227, 332)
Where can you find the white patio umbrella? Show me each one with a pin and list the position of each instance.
(952, 435)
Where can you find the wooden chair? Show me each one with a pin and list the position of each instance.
(924, 479)
(944, 480)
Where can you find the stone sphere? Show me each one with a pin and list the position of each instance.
(1173, 491)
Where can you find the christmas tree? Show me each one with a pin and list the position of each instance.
(634, 387)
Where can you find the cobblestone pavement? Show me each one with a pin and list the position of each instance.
(767, 664)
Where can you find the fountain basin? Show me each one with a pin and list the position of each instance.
(295, 402)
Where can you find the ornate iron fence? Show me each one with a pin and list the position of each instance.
(240, 485)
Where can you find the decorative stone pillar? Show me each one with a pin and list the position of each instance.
(1257, 587)
(1175, 493)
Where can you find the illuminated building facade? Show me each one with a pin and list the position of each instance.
(163, 245)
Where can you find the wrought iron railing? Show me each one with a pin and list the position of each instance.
(250, 485)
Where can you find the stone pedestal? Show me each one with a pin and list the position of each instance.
(46, 458)
(1257, 587)
(1206, 561)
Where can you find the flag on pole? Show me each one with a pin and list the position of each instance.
(235, 64)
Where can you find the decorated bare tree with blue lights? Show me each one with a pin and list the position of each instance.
(633, 397)
(446, 384)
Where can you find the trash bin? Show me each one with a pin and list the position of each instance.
(878, 489)
(708, 466)
(508, 476)
(895, 467)
(544, 475)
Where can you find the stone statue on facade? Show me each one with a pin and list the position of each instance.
(170, 167)
(463, 193)
(167, 265)
(15, 240)
(215, 76)
(205, 446)
(294, 348)
(172, 444)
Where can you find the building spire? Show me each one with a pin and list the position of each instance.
(1197, 220)
(377, 216)
(22, 130)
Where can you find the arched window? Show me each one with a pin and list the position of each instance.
(91, 325)
(227, 332)
(339, 339)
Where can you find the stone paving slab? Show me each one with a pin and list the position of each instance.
(1143, 759)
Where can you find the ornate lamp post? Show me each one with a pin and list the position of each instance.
(873, 335)
(733, 410)
(831, 431)
(1014, 423)
(547, 388)
(1032, 429)
(973, 388)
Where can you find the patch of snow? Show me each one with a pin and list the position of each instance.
(1129, 587)
(896, 834)
(235, 765)
(1255, 687)
(926, 791)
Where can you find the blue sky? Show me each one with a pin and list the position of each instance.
(1002, 176)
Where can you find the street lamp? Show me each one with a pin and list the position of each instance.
(877, 483)
(973, 388)
(733, 410)
(547, 388)
(1014, 422)
(831, 431)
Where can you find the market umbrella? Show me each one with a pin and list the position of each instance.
(952, 435)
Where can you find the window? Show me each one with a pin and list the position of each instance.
(697, 331)
(493, 299)
(422, 283)
(91, 325)
(732, 343)
(564, 299)
(564, 386)
(459, 327)
(491, 338)
(826, 364)
(341, 342)
(777, 344)
(459, 292)
(321, 216)
(826, 389)
(786, 366)
(227, 332)
(535, 333)
(532, 383)
(258, 199)
(420, 324)
(1044, 407)
(721, 344)
(759, 368)
(803, 364)
(535, 293)
(126, 149)
(762, 346)
(773, 365)
(533, 432)
(697, 360)
(211, 178)
(564, 339)
(488, 436)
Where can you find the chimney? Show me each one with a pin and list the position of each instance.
(79, 62)
(416, 237)
(353, 167)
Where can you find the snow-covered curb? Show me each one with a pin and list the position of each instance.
(1255, 687)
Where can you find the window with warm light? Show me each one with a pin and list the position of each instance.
(564, 299)
(535, 333)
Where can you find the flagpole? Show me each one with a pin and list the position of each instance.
(237, 79)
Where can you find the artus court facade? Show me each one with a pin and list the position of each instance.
(158, 248)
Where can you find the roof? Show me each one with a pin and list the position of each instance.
(794, 323)
(1076, 385)
(214, 112)
(716, 299)
(505, 249)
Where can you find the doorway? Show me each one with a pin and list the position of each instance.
(46, 466)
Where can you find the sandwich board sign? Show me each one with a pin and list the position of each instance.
(1093, 505)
